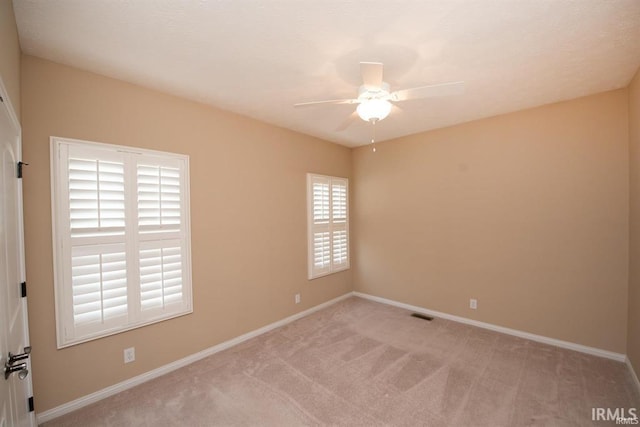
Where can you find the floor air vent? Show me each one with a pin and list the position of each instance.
(422, 316)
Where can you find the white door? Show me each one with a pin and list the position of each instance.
(15, 383)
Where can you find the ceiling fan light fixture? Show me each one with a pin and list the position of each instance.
(374, 109)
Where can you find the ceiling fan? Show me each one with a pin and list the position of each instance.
(375, 98)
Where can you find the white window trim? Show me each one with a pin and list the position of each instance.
(59, 195)
(312, 272)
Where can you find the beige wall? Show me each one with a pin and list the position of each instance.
(10, 54)
(633, 344)
(248, 208)
(527, 212)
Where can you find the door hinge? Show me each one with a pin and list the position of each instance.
(31, 408)
(23, 289)
(20, 165)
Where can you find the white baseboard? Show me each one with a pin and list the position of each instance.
(633, 374)
(533, 337)
(137, 380)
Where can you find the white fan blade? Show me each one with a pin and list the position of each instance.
(371, 74)
(431, 91)
(348, 122)
(330, 101)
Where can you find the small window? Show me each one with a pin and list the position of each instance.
(328, 224)
(122, 244)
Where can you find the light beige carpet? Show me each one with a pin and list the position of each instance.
(359, 363)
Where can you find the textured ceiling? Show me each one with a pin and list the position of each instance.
(259, 57)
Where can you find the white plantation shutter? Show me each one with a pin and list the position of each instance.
(321, 208)
(96, 196)
(321, 252)
(158, 197)
(99, 286)
(320, 220)
(340, 240)
(339, 200)
(161, 275)
(121, 238)
(160, 221)
(340, 248)
(328, 224)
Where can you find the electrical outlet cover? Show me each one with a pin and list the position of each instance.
(129, 354)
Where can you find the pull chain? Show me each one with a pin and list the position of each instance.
(373, 134)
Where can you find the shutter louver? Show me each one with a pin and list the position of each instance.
(340, 243)
(340, 247)
(320, 203)
(96, 197)
(99, 283)
(158, 198)
(160, 276)
(321, 250)
(339, 201)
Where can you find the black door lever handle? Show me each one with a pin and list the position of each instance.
(16, 357)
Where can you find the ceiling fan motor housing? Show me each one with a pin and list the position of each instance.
(367, 93)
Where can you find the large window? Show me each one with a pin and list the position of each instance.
(328, 224)
(122, 251)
